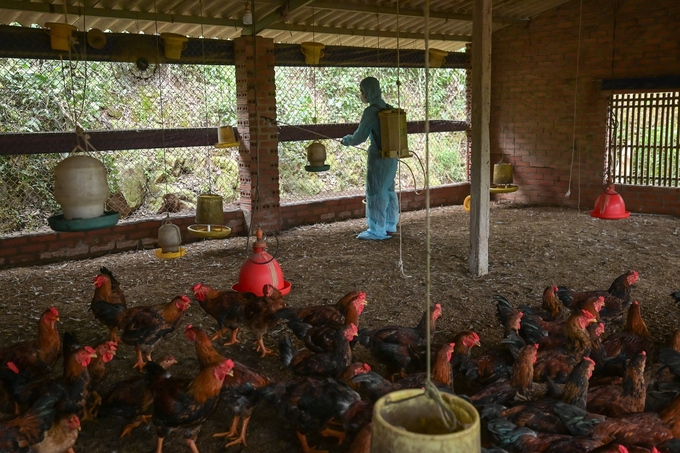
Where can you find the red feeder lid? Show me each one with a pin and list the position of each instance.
(610, 205)
(261, 269)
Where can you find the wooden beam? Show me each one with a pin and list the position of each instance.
(272, 18)
(480, 168)
(64, 142)
(356, 7)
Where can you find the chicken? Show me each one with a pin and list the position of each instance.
(557, 363)
(617, 297)
(400, 348)
(106, 291)
(106, 351)
(309, 404)
(61, 436)
(616, 400)
(301, 320)
(321, 338)
(37, 357)
(258, 314)
(187, 403)
(524, 440)
(238, 390)
(215, 303)
(143, 327)
(551, 304)
(492, 364)
(634, 339)
(503, 391)
(29, 428)
(307, 363)
(374, 386)
(131, 399)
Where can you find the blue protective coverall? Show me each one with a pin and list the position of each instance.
(382, 208)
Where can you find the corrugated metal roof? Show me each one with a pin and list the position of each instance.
(359, 23)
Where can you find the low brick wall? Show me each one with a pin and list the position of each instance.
(49, 247)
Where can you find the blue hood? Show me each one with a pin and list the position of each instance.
(371, 87)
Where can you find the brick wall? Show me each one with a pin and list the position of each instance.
(533, 81)
(42, 248)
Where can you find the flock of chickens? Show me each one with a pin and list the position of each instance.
(554, 383)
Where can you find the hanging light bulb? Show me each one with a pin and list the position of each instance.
(247, 15)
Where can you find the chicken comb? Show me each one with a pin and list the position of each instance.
(588, 359)
(188, 328)
(89, 350)
(12, 366)
(587, 314)
(111, 345)
(623, 449)
(54, 311)
(185, 299)
(366, 367)
(196, 287)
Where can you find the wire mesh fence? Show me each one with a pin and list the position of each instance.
(56, 95)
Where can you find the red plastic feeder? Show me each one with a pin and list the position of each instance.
(261, 269)
(609, 205)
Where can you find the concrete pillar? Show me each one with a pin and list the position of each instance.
(259, 157)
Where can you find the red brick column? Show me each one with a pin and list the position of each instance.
(259, 157)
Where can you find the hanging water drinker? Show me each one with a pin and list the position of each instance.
(316, 156)
(169, 239)
(261, 269)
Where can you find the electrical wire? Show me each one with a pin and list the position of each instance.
(578, 61)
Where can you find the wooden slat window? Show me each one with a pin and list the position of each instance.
(644, 140)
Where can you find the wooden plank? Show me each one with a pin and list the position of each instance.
(64, 142)
(480, 168)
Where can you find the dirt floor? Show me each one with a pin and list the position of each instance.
(529, 249)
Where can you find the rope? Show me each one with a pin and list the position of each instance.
(205, 104)
(160, 98)
(578, 61)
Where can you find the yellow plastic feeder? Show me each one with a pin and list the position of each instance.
(209, 218)
(313, 51)
(60, 35)
(407, 421)
(436, 57)
(173, 44)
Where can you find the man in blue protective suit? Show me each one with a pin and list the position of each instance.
(382, 209)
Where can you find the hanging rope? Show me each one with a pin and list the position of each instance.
(162, 108)
(208, 160)
(573, 142)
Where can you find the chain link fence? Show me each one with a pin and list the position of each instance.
(52, 95)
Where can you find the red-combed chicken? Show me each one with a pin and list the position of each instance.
(238, 390)
(344, 312)
(143, 327)
(551, 304)
(309, 404)
(106, 351)
(634, 339)
(307, 363)
(400, 348)
(106, 291)
(322, 338)
(374, 386)
(616, 400)
(131, 399)
(504, 391)
(37, 357)
(187, 403)
(258, 314)
(616, 298)
(61, 437)
(557, 363)
(29, 428)
(216, 303)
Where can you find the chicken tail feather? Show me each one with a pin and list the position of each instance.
(286, 350)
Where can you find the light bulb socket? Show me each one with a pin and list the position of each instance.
(247, 15)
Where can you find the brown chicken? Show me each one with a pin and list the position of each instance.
(551, 304)
(504, 391)
(301, 320)
(492, 364)
(61, 436)
(107, 291)
(557, 363)
(634, 339)
(216, 303)
(308, 363)
(616, 400)
(106, 351)
(309, 404)
(401, 349)
(186, 403)
(238, 390)
(143, 327)
(29, 428)
(616, 298)
(258, 314)
(37, 357)
(131, 399)
(321, 338)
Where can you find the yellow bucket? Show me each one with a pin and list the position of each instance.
(60, 34)
(173, 44)
(209, 210)
(502, 173)
(436, 57)
(313, 51)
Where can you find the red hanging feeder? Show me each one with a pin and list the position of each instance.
(610, 205)
(261, 269)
